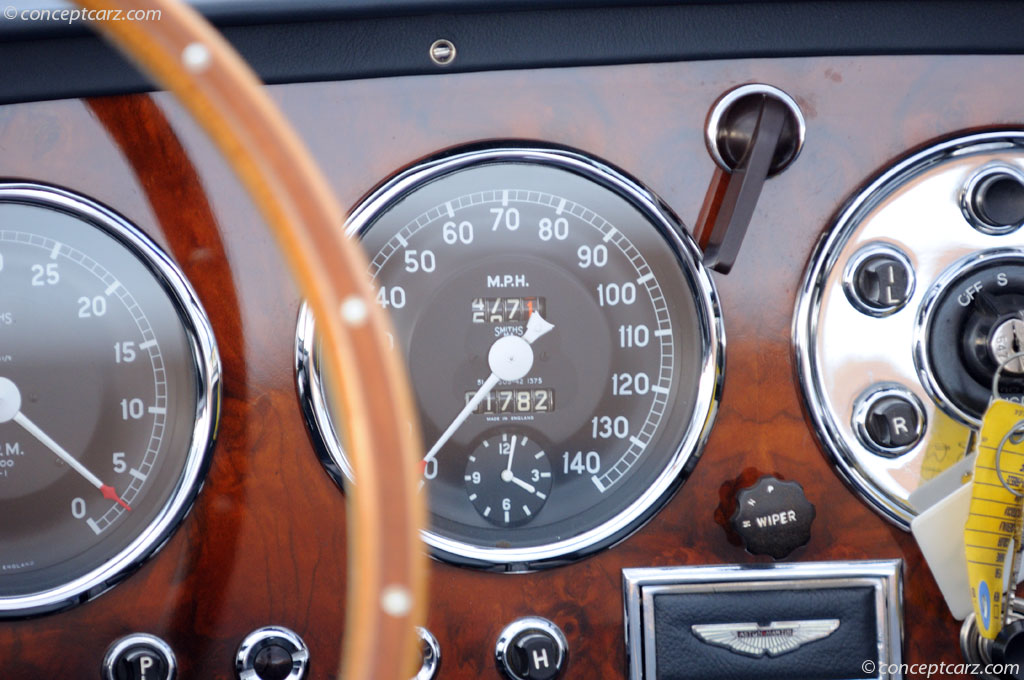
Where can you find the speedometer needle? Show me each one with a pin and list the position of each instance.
(510, 358)
(10, 409)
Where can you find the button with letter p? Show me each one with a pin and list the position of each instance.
(139, 657)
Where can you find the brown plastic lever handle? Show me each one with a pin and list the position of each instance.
(731, 216)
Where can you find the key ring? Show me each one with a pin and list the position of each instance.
(999, 370)
(1018, 431)
(1015, 434)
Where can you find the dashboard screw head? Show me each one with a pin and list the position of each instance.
(442, 52)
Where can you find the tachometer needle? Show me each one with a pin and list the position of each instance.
(10, 409)
(510, 358)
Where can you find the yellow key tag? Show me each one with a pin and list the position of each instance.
(993, 527)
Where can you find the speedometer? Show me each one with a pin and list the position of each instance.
(564, 345)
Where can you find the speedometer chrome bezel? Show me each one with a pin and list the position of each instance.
(203, 349)
(712, 356)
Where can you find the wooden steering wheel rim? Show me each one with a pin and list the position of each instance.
(387, 567)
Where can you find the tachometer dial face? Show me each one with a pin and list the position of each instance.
(108, 383)
(540, 296)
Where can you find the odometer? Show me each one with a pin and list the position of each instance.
(109, 379)
(563, 343)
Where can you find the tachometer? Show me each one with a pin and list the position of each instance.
(109, 385)
(564, 345)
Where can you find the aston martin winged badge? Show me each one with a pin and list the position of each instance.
(778, 637)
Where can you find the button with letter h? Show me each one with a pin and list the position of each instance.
(531, 648)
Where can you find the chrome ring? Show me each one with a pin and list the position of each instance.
(256, 640)
(525, 625)
(120, 646)
(723, 103)
(712, 362)
(206, 359)
(872, 396)
(431, 655)
(971, 186)
(922, 358)
(864, 254)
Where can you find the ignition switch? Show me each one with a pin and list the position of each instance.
(974, 322)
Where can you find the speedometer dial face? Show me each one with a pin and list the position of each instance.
(108, 391)
(563, 343)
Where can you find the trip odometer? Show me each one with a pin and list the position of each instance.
(563, 342)
(109, 383)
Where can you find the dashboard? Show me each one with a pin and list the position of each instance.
(536, 189)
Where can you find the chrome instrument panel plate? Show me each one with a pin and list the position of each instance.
(915, 208)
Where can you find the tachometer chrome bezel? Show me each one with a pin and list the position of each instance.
(712, 358)
(206, 359)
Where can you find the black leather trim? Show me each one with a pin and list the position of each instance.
(370, 40)
(681, 654)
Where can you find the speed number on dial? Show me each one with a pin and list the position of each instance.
(563, 344)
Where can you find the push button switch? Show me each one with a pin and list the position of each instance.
(139, 657)
(993, 199)
(531, 648)
(879, 280)
(430, 655)
(892, 423)
(273, 662)
(272, 653)
(889, 420)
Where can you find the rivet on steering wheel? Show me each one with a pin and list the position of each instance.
(196, 57)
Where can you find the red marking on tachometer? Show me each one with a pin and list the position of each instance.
(111, 495)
